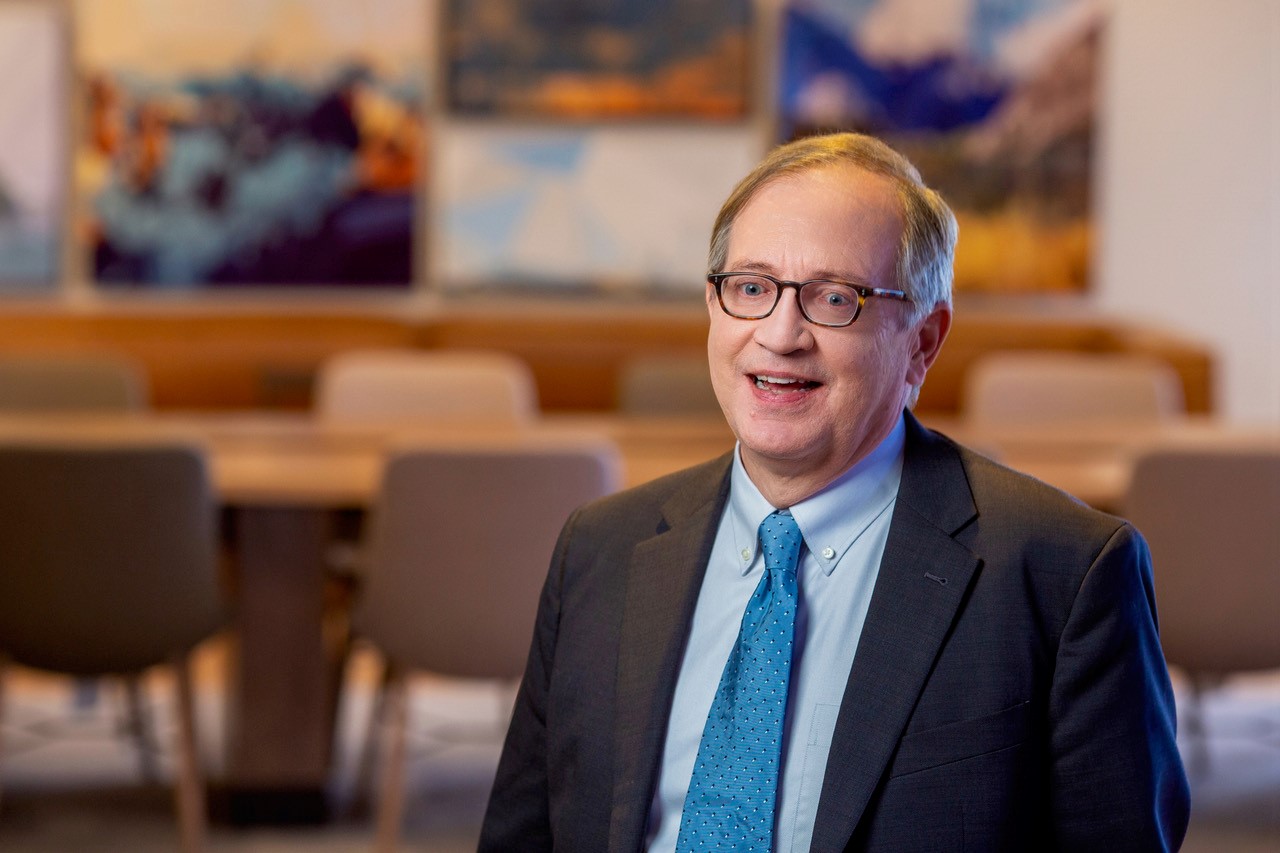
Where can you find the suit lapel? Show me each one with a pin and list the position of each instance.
(909, 617)
(663, 581)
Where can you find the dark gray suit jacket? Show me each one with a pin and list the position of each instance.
(1008, 691)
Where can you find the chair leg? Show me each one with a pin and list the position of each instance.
(367, 759)
(139, 725)
(189, 785)
(391, 795)
(4, 672)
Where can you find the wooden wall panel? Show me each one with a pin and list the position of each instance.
(205, 359)
(243, 358)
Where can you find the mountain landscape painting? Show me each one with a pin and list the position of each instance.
(993, 100)
(599, 59)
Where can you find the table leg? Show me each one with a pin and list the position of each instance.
(280, 719)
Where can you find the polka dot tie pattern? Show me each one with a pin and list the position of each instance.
(733, 791)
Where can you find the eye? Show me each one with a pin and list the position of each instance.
(751, 287)
(832, 295)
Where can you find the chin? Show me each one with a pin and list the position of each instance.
(775, 443)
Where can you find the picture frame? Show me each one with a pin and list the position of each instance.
(34, 157)
(252, 143)
(997, 111)
(598, 60)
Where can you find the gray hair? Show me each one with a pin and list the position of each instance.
(929, 234)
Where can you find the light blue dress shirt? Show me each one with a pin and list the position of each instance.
(845, 527)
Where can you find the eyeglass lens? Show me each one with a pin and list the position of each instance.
(751, 297)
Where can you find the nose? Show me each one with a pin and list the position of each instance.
(785, 329)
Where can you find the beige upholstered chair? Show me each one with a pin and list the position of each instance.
(70, 383)
(405, 383)
(81, 383)
(428, 385)
(1211, 515)
(458, 550)
(1032, 387)
(667, 385)
(108, 566)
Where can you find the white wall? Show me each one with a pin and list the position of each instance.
(1189, 186)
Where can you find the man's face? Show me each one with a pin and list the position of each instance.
(805, 401)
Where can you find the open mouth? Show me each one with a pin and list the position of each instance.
(783, 384)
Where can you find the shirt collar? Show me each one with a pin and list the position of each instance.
(831, 520)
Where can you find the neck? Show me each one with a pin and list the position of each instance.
(783, 486)
(784, 493)
(785, 482)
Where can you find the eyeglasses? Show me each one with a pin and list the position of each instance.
(754, 295)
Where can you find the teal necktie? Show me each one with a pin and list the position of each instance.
(733, 791)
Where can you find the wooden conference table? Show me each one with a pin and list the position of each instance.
(282, 477)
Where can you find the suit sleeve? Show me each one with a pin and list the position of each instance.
(518, 816)
(1117, 780)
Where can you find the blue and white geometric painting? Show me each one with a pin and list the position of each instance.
(610, 208)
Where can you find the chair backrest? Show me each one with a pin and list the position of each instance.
(459, 546)
(1212, 518)
(667, 385)
(403, 383)
(68, 383)
(1031, 387)
(108, 555)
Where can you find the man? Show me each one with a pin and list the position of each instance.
(962, 658)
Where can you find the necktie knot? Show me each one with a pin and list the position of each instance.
(780, 541)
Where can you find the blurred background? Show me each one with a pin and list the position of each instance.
(300, 237)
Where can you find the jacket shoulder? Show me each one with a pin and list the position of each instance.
(995, 510)
(1004, 493)
(668, 497)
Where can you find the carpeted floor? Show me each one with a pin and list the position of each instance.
(69, 784)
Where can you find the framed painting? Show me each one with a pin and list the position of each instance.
(34, 156)
(616, 210)
(993, 100)
(251, 143)
(598, 59)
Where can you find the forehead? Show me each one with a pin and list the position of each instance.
(830, 219)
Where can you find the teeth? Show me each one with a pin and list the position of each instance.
(778, 382)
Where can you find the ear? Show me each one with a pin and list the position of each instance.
(713, 306)
(929, 335)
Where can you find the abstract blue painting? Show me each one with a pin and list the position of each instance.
(233, 143)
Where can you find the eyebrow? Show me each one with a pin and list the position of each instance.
(820, 275)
